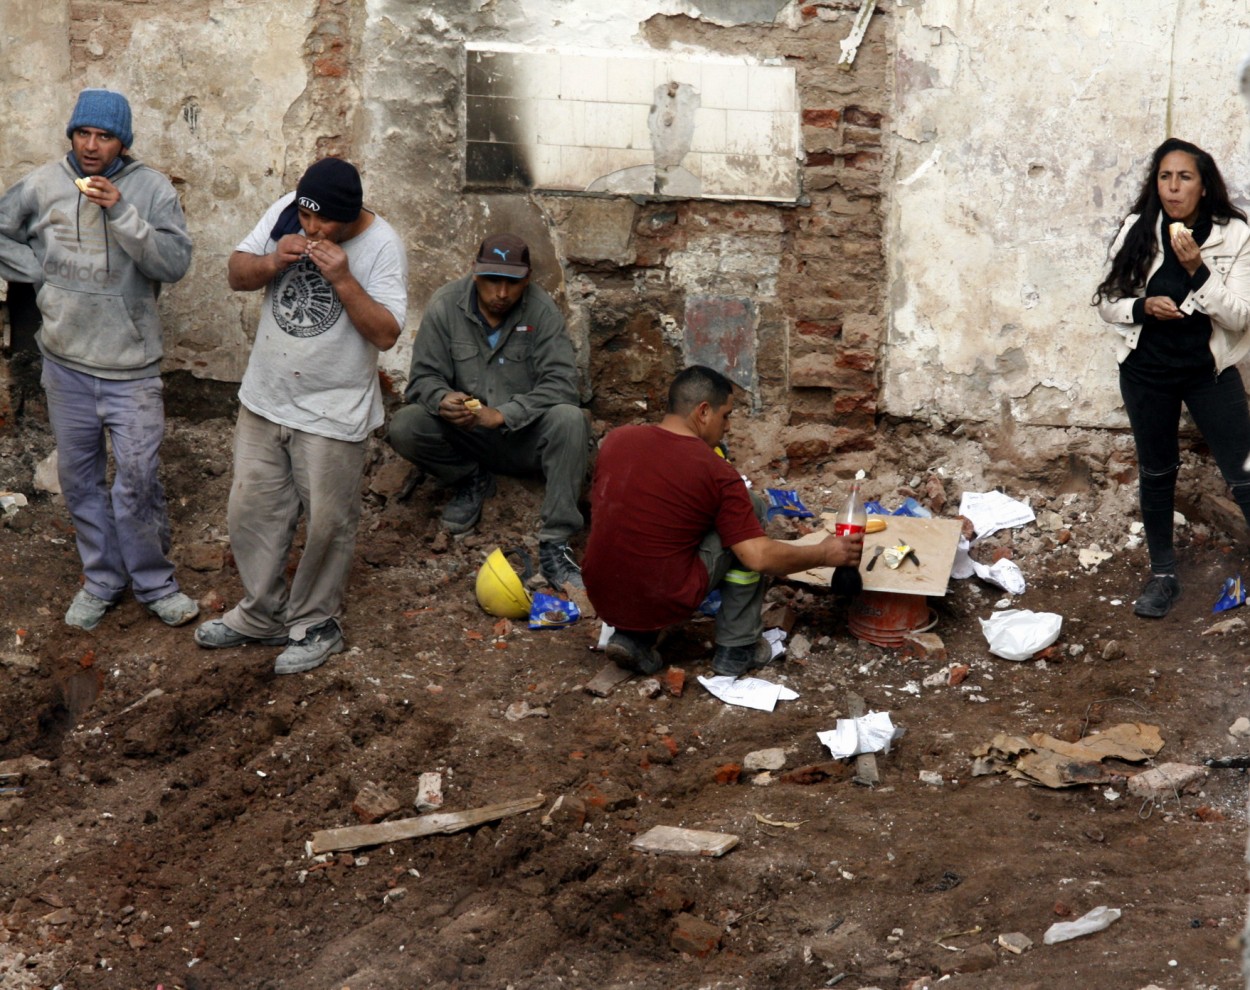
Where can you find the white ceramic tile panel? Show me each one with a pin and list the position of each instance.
(583, 77)
(587, 119)
(544, 162)
(539, 75)
(770, 88)
(630, 80)
(640, 126)
(709, 130)
(749, 133)
(607, 125)
(681, 72)
(724, 85)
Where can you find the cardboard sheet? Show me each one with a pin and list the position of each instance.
(934, 540)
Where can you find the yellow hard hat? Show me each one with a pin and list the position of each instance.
(499, 589)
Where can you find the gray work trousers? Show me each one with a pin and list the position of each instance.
(556, 445)
(279, 472)
(741, 617)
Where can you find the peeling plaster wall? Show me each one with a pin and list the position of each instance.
(1020, 140)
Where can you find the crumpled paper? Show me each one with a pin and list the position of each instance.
(871, 733)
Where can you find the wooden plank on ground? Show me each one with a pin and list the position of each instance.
(356, 836)
(865, 763)
(668, 840)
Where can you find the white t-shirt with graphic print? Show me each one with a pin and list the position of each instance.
(309, 368)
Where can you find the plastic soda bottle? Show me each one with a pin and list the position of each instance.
(846, 581)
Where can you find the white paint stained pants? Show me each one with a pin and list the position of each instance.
(279, 472)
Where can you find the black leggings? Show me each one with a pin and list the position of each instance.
(1219, 410)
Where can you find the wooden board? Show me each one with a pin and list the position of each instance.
(934, 540)
(355, 836)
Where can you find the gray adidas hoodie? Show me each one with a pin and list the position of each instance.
(97, 272)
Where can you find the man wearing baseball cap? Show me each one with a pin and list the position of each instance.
(334, 276)
(493, 389)
(98, 233)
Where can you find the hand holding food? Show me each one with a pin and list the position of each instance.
(472, 403)
(1177, 228)
(83, 184)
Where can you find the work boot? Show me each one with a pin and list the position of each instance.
(174, 609)
(312, 651)
(556, 562)
(215, 634)
(86, 610)
(634, 651)
(1157, 597)
(734, 661)
(464, 509)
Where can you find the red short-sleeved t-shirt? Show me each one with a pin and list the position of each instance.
(656, 495)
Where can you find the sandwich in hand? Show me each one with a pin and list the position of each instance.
(472, 404)
(84, 184)
(1174, 229)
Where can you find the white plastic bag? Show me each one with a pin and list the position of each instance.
(1018, 633)
(1093, 921)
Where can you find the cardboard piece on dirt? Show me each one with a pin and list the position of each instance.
(1051, 762)
(934, 540)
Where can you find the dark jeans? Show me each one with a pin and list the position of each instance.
(1219, 410)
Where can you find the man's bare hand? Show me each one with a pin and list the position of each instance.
(843, 551)
(330, 258)
(102, 192)
(290, 249)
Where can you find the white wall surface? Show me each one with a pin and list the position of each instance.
(1021, 135)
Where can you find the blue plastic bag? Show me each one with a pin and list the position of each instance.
(786, 502)
(551, 612)
(1233, 595)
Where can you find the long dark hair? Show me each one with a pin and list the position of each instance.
(1128, 268)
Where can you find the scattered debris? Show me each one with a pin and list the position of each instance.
(668, 840)
(1016, 943)
(1043, 759)
(1235, 624)
(429, 792)
(373, 803)
(1094, 921)
(356, 836)
(765, 759)
(1018, 633)
(521, 709)
(694, 936)
(607, 680)
(1165, 781)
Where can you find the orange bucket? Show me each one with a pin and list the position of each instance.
(885, 618)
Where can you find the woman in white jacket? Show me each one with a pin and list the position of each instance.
(1177, 293)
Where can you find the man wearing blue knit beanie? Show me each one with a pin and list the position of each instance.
(98, 233)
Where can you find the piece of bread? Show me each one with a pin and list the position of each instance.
(875, 526)
(472, 404)
(1176, 227)
(84, 184)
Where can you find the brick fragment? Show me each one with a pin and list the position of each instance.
(694, 936)
(373, 803)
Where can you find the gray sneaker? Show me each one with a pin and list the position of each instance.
(558, 566)
(464, 509)
(86, 610)
(215, 634)
(175, 609)
(312, 651)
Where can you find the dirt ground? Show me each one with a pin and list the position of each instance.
(158, 836)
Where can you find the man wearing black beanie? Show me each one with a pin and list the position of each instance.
(335, 281)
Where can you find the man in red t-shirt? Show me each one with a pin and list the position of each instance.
(670, 520)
